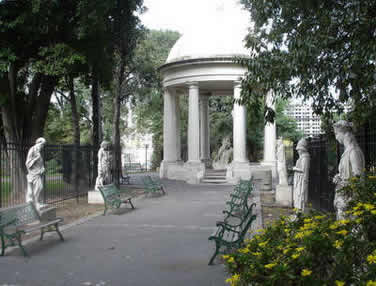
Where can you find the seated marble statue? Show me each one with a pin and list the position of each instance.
(281, 162)
(35, 173)
(104, 165)
(351, 164)
(224, 154)
(301, 175)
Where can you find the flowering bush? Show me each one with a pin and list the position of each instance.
(314, 249)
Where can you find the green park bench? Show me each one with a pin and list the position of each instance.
(133, 167)
(231, 235)
(112, 197)
(238, 203)
(153, 185)
(124, 177)
(23, 219)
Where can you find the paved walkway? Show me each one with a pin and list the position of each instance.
(163, 242)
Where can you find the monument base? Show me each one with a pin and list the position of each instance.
(283, 195)
(95, 198)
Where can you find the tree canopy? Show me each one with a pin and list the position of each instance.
(322, 51)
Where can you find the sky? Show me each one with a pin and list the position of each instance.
(186, 16)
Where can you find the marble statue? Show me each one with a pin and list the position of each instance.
(301, 175)
(104, 165)
(224, 154)
(281, 163)
(351, 164)
(35, 173)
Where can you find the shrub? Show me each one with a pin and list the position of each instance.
(314, 248)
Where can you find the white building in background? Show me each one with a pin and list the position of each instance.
(137, 147)
(307, 121)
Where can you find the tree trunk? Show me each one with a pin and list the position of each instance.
(96, 118)
(116, 125)
(23, 119)
(76, 135)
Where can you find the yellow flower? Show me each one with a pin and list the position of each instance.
(371, 259)
(320, 216)
(338, 244)
(260, 230)
(343, 221)
(343, 232)
(244, 250)
(334, 225)
(230, 259)
(340, 283)
(225, 256)
(358, 220)
(300, 249)
(286, 250)
(295, 255)
(256, 253)
(373, 212)
(263, 244)
(233, 280)
(307, 220)
(372, 177)
(270, 265)
(371, 283)
(306, 272)
(358, 213)
(369, 207)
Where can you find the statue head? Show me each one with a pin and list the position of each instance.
(302, 145)
(40, 142)
(341, 128)
(105, 144)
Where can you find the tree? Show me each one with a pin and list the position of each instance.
(147, 102)
(320, 50)
(127, 30)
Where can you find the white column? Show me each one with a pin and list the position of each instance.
(193, 123)
(178, 134)
(204, 128)
(239, 114)
(170, 126)
(270, 135)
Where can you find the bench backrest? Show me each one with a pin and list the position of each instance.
(23, 214)
(109, 192)
(247, 220)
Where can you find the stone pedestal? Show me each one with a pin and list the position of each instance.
(95, 197)
(283, 195)
(194, 171)
(264, 179)
(237, 171)
(47, 213)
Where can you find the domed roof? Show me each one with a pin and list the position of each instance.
(212, 40)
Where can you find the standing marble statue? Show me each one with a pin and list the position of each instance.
(104, 165)
(35, 172)
(351, 164)
(301, 175)
(281, 162)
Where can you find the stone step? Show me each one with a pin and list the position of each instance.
(215, 176)
(213, 181)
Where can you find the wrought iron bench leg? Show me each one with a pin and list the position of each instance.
(19, 240)
(215, 253)
(58, 232)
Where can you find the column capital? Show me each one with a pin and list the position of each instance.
(237, 84)
(192, 84)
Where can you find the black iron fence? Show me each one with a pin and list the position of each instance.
(325, 154)
(70, 173)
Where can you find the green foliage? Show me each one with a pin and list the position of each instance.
(286, 127)
(314, 249)
(147, 103)
(318, 50)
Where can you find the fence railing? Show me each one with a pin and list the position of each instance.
(69, 173)
(325, 155)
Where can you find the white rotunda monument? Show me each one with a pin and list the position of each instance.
(201, 64)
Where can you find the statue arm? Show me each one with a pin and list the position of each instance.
(357, 162)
